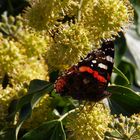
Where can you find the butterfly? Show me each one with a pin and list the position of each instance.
(88, 79)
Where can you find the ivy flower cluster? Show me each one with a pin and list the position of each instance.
(105, 18)
(67, 48)
(48, 16)
(124, 128)
(21, 56)
(88, 123)
(93, 21)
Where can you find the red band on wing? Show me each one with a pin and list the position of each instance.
(86, 69)
(93, 72)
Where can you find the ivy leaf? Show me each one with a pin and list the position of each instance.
(133, 43)
(117, 71)
(136, 6)
(123, 100)
(37, 89)
(129, 70)
(120, 48)
(37, 85)
(7, 134)
(52, 130)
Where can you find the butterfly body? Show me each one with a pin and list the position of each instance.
(88, 79)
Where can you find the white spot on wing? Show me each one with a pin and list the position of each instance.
(92, 65)
(109, 58)
(94, 61)
(101, 65)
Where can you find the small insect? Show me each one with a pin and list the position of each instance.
(89, 79)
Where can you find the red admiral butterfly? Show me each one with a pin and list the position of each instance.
(88, 79)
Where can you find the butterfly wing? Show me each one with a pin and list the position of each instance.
(89, 78)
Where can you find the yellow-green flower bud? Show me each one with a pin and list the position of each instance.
(11, 20)
(11, 26)
(33, 44)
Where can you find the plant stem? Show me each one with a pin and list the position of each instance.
(66, 114)
(79, 10)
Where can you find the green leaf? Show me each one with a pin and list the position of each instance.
(37, 89)
(52, 130)
(37, 85)
(123, 100)
(111, 135)
(63, 104)
(7, 134)
(11, 109)
(136, 6)
(120, 48)
(133, 43)
(116, 70)
(129, 70)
